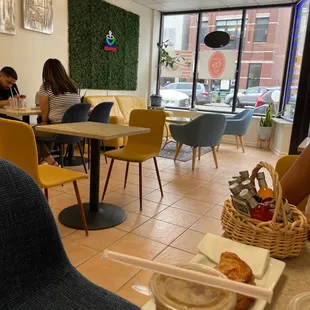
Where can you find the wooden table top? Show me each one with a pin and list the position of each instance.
(93, 130)
(20, 112)
(303, 144)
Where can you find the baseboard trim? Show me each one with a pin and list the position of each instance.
(277, 151)
(246, 143)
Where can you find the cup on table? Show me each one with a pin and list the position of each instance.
(300, 302)
(175, 294)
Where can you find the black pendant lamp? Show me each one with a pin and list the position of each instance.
(217, 39)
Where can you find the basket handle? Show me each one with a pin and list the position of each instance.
(277, 189)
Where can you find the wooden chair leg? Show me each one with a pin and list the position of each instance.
(158, 177)
(237, 142)
(199, 152)
(61, 155)
(242, 144)
(126, 174)
(104, 150)
(194, 157)
(140, 185)
(46, 193)
(177, 151)
(108, 179)
(82, 156)
(214, 156)
(218, 146)
(82, 213)
(88, 152)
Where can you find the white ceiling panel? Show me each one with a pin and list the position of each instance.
(235, 3)
(182, 5)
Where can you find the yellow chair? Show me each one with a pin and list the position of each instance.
(282, 166)
(141, 147)
(17, 145)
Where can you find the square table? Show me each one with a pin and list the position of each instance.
(24, 113)
(98, 215)
(178, 120)
(303, 144)
(175, 120)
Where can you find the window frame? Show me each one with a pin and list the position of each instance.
(243, 29)
(251, 79)
(256, 30)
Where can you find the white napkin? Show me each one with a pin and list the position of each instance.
(257, 258)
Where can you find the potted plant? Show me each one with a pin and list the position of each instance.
(265, 128)
(169, 62)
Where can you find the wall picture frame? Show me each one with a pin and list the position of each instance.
(7, 17)
(38, 15)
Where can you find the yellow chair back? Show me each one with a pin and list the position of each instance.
(149, 143)
(282, 166)
(17, 145)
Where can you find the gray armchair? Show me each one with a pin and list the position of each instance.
(238, 126)
(35, 271)
(205, 130)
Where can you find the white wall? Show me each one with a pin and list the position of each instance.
(28, 50)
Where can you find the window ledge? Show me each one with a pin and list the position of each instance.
(282, 122)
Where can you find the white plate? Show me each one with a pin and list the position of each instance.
(271, 277)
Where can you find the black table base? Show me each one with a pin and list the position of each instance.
(72, 161)
(106, 216)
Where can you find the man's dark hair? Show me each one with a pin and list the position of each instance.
(10, 72)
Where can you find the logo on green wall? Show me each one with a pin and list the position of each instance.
(110, 42)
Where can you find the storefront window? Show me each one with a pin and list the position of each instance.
(179, 35)
(261, 69)
(217, 67)
(263, 58)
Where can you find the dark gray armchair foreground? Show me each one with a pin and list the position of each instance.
(238, 126)
(35, 272)
(205, 130)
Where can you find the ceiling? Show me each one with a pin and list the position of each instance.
(181, 5)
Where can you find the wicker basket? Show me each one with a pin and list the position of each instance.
(282, 239)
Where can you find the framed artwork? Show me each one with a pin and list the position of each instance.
(38, 15)
(7, 17)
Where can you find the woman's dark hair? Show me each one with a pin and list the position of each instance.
(55, 76)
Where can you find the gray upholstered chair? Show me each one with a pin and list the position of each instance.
(238, 126)
(205, 130)
(35, 271)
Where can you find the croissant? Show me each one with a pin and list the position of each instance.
(234, 268)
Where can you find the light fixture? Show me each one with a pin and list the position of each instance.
(217, 39)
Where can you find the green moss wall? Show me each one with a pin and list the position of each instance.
(90, 65)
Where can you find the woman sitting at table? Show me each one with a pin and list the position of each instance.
(56, 95)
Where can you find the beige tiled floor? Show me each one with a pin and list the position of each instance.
(168, 229)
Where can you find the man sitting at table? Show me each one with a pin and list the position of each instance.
(8, 78)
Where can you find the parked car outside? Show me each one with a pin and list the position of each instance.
(247, 97)
(202, 96)
(174, 99)
(265, 98)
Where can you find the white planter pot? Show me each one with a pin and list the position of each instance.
(265, 133)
